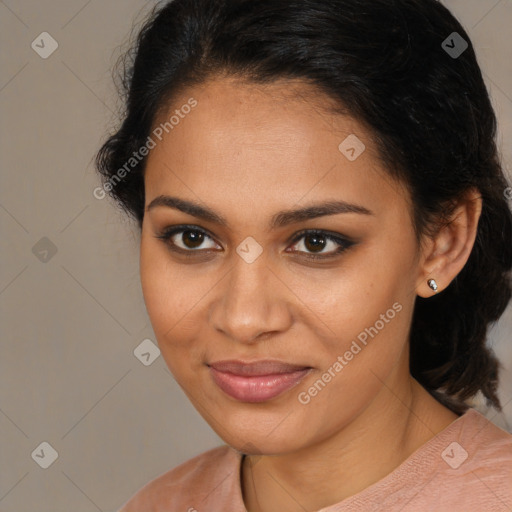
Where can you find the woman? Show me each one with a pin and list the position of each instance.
(325, 240)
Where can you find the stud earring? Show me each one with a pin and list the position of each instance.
(433, 285)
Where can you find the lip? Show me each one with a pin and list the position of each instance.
(256, 381)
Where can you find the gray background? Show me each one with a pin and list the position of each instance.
(71, 319)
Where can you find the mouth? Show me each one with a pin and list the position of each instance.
(257, 381)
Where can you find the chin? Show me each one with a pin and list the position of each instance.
(255, 440)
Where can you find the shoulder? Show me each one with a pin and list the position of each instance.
(466, 466)
(477, 462)
(487, 448)
(484, 438)
(208, 476)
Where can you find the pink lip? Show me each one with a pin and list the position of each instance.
(258, 381)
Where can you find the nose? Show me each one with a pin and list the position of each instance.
(251, 304)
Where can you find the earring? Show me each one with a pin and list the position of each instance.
(432, 284)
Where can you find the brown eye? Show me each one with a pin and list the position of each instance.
(188, 239)
(192, 239)
(311, 244)
(314, 242)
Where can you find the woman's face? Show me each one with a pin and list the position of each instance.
(240, 281)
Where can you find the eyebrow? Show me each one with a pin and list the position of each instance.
(280, 219)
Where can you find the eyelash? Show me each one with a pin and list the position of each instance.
(166, 234)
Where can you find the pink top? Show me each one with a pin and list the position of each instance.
(466, 467)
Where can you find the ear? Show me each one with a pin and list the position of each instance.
(445, 255)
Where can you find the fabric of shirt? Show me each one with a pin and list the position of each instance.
(466, 467)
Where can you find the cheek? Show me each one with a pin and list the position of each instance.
(362, 313)
(356, 364)
(167, 294)
(174, 296)
(340, 303)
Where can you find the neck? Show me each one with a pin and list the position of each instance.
(364, 451)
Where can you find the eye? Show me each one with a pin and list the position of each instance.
(313, 242)
(187, 239)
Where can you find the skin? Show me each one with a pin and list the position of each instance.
(248, 152)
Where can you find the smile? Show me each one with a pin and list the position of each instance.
(256, 382)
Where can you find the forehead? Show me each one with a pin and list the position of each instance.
(277, 139)
(281, 112)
